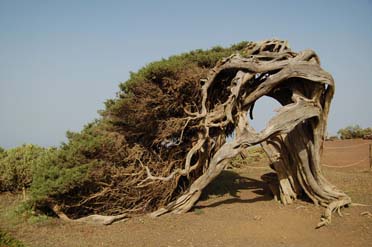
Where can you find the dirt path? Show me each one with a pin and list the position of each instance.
(237, 210)
(351, 154)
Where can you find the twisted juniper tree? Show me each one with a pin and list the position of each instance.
(163, 139)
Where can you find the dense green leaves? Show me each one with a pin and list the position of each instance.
(55, 175)
(16, 166)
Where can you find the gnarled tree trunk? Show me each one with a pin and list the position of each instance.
(293, 138)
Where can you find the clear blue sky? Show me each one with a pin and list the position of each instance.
(60, 60)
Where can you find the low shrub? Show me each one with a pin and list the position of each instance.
(16, 166)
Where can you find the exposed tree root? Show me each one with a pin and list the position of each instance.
(94, 219)
(359, 205)
(332, 207)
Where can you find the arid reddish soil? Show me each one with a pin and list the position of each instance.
(236, 210)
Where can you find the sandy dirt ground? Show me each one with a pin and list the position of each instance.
(236, 210)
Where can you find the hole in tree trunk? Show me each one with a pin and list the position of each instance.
(264, 109)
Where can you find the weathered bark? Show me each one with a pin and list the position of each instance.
(93, 219)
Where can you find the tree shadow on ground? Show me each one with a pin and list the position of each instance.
(231, 183)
